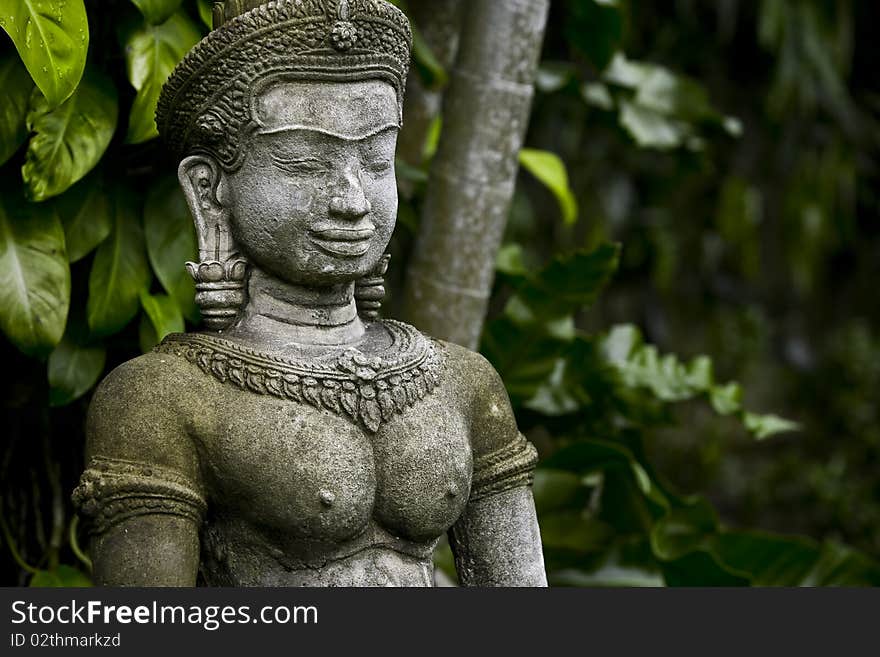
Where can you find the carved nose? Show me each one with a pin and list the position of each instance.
(350, 201)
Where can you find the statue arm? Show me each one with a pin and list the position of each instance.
(141, 493)
(497, 541)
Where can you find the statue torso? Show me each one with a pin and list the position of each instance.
(301, 491)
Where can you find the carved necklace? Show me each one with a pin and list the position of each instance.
(368, 389)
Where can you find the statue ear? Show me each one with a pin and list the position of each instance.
(221, 272)
(202, 180)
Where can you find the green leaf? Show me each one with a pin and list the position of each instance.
(73, 370)
(684, 529)
(726, 400)
(171, 242)
(147, 337)
(553, 76)
(595, 27)
(675, 96)
(52, 39)
(572, 531)
(157, 11)
(429, 67)
(570, 282)
(69, 140)
(511, 261)
(775, 560)
(651, 129)
(625, 73)
(554, 396)
(34, 275)
(588, 456)
(700, 568)
(120, 271)
(163, 313)
(765, 426)
(85, 213)
(206, 13)
(642, 366)
(663, 108)
(609, 575)
(151, 53)
(767, 560)
(557, 489)
(596, 94)
(62, 577)
(522, 356)
(17, 87)
(839, 565)
(550, 170)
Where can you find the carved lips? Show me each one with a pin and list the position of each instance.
(344, 242)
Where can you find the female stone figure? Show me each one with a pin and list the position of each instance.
(298, 442)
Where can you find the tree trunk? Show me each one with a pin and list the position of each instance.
(470, 188)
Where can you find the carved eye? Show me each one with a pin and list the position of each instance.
(302, 166)
(379, 166)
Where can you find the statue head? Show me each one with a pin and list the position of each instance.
(285, 121)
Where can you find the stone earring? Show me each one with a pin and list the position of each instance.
(220, 287)
(370, 290)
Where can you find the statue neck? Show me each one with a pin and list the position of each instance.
(297, 314)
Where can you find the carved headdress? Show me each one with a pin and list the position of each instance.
(208, 102)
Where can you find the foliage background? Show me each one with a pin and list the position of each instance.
(705, 171)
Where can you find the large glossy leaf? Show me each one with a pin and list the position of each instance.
(171, 242)
(157, 11)
(701, 568)
(120, 271)
(69, 140)
(550, 170)
(151, 53)
(683, 529)
(147, 337)
(34, 275)
(587, 456)
(163, 313)
(17, 86)
(206, 13)
(573, 531)
(52, 38)
(85, 213)
(522, 355)
(570, 282)
(775, 560)
(73, 370)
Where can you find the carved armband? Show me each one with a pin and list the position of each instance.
(511, 466)
(112, 490)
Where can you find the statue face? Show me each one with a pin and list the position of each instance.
(315, 201)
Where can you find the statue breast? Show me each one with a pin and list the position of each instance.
(304, 473)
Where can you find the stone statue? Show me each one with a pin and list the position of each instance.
(300, 440)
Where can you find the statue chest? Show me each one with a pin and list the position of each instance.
(303, 473)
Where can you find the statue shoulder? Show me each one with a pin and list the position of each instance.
(484, 397)
(143, 411)
(503, 458)
(141, 458)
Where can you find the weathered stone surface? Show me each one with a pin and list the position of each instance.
(300, 440)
